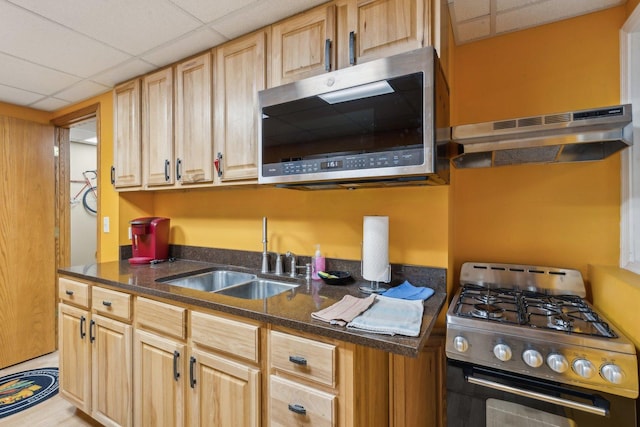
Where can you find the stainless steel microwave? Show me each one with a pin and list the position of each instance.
(380, 123)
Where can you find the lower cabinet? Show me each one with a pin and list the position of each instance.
(181, 365)
(95, 352)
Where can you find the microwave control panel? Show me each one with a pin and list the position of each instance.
(385, 159)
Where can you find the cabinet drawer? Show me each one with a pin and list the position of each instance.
(111, 303)
(303, 357)
(295, 404)
(161, 317)
(220, 333)
(73, 292)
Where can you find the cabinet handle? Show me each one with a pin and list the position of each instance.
(106, 303)
(327, 55)
(113, 175)
(192, 377)
(83, 327)
(178, 167)
(298, 409)
(352, 47)
(68, 292)
(298, 360)
(92, 336)
(218, 164)
(166, 170)
(176, 356)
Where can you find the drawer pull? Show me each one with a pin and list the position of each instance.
(68, 292)
(298, 409)
(298, 360)
(106, 303)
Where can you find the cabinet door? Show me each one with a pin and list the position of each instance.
(194, 141)
(303, 45)
(159, 380)
(222, 392)
(127, 144)
(111, 371)
(384, 27)
(157, 128)
(241, 71)
(75, 356)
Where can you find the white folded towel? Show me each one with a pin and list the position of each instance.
(391, 316)
(344, 310)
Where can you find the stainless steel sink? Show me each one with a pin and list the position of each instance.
(258, 289)
(212, 281)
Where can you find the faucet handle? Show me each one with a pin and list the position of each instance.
(278, 263)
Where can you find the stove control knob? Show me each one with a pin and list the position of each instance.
(557, 363)
(612, 373)
(532, 358)
(583, 368)
(502, 352)
(461, 344)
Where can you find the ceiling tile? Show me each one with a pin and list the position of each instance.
(80, 91)
(258, 14)
(125, 71)
(463, 10)
(207, 11)
(50, 104)
(17, 96)
(131, 26)
(188, 45)
(21, 74)
(473, 30)
(28, 36)
(503, 5)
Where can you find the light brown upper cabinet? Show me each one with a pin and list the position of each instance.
(126, 171)
(157, 128)
(303, 45)
(373, 29)
(193, 121)
(241, 71)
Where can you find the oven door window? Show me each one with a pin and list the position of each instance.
(481, 397)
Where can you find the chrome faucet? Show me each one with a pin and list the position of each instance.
(265, 254)
(291, 255)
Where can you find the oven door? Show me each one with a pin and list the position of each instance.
(487, 397)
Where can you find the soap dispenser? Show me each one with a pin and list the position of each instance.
(318, 264)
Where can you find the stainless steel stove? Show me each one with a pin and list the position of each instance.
(534, 321)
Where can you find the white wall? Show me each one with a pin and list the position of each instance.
(84, 230)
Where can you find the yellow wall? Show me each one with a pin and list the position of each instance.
(565, 215)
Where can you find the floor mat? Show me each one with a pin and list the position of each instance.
(25, 389)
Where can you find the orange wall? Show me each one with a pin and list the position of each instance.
(11, 110)
(564, 215)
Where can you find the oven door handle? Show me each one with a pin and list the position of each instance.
(538, 396)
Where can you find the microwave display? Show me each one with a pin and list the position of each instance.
(362, 131)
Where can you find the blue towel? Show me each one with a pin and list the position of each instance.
(390, 316)
(407, 291)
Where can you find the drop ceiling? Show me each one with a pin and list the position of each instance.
(57, 53)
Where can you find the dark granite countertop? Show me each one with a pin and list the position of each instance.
(290, 309)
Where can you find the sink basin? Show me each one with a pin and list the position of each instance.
(212, 281)
(257, 289)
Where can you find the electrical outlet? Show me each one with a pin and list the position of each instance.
(129, 232)
(105, 224)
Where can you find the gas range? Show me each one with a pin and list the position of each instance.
(535, 321)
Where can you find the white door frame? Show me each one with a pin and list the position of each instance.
(630, 172)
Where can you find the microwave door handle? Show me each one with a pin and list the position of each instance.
(538, 396)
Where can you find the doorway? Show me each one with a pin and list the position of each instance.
(83, 164)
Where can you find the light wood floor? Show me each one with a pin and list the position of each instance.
(54, 411)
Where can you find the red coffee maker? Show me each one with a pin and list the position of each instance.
(149, 240)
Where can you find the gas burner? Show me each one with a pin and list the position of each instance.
(559, 322)
(487, 298)
(487, 311)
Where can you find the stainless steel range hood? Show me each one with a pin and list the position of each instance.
(562, 137)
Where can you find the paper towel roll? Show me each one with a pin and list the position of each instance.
(375, 249)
